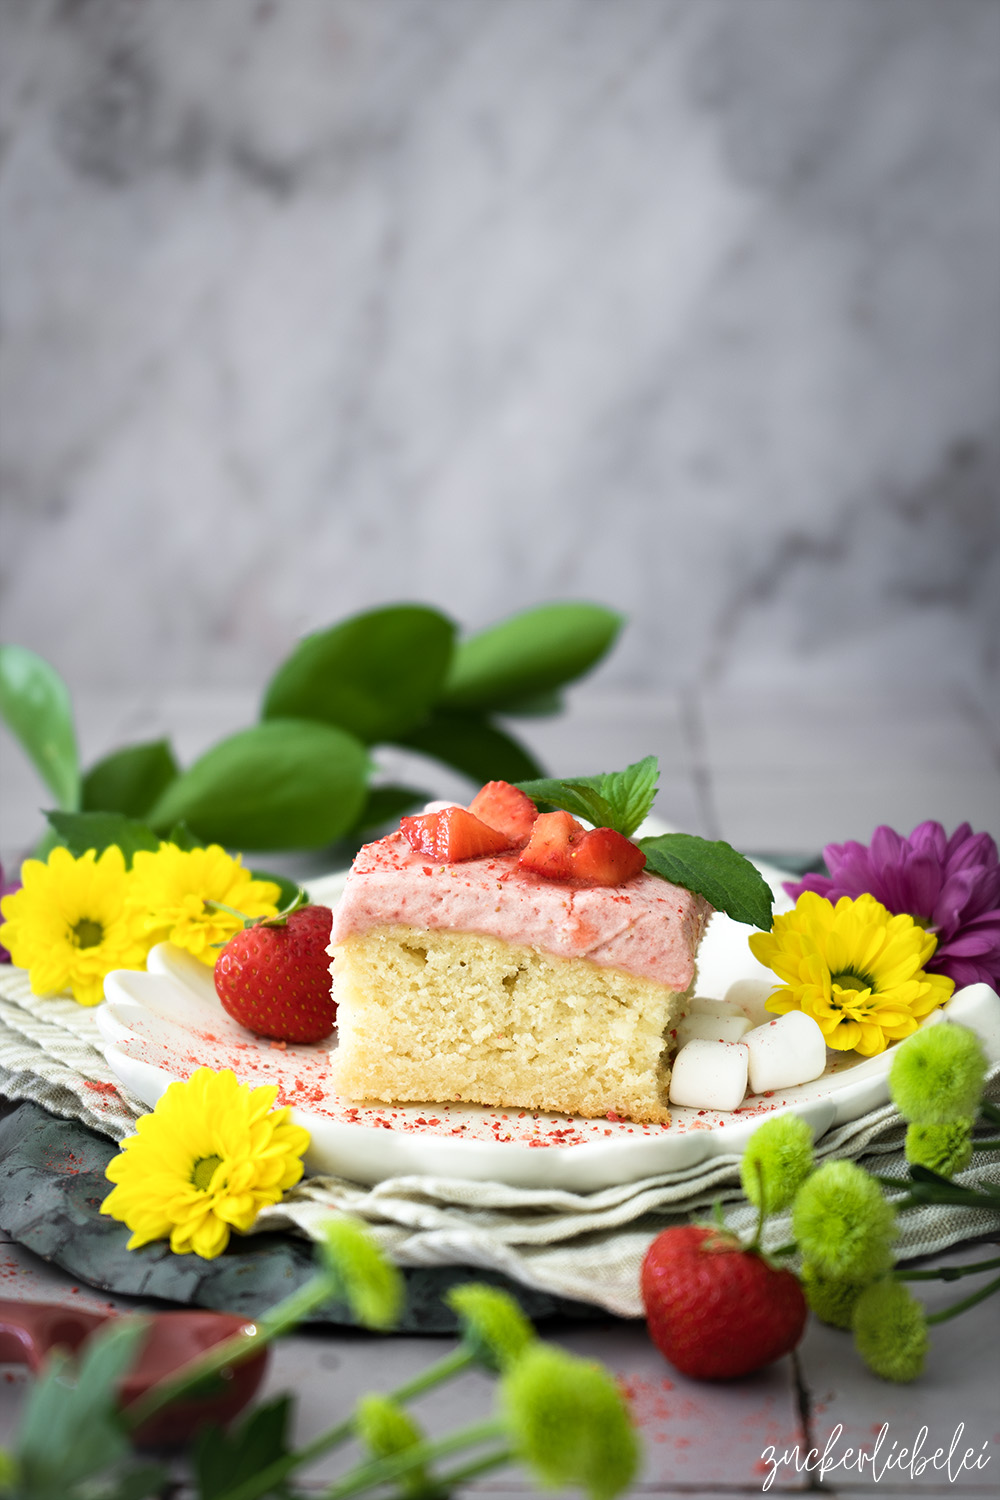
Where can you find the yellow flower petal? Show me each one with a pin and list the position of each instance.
(171, 887)
(212, 1115)
(856, 969)
(70, 924)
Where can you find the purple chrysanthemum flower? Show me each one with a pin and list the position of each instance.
(6, 888)
(951, 886)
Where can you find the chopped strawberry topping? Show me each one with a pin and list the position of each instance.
(552, 840)
(604, 857)
(505, 808)
(561, 849)
(453, 834)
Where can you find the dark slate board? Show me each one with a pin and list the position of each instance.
(52, 1184)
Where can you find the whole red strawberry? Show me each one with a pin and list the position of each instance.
(274, 976)
(714, 1309)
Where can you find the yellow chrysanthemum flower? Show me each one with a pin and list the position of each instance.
(170, 888)
(207, 1160)
(857, 970)
(71, 923)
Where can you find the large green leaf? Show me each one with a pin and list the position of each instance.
(223, 1461)
(286, 784)
(473, 746)
(387, 803)
(35, 703)
(98, 830)
(129, 781)
(715, 870)
(375, 675)
(70, 1431)
(529, 655)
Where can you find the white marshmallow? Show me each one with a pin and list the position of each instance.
(749, 995)
(787, 1050)
(439, 806)
(712, 1028)
(709, 1075)
(701, 1005)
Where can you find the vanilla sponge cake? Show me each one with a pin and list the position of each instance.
(481, 982)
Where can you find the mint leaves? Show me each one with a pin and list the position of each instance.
(619, 799)
(302, 777)
(622, 800)
(375, 675)
(715, 870)
(515, 667)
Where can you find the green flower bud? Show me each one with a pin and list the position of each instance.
(890, 1331)
(369, 1284)
(492, 1323)
(944, 1148)
(8, 1472)
(385, 1429)
(937, 1074)
(843, 1224)
(568, 1421)
(776, 1162)
(830, 1298)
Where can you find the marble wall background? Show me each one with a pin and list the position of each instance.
(689, 306)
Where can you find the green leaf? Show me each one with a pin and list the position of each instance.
(35, 704)
(71, 1431)
(139, 1483)
(130, 780)
(388, 803)
(376, 674)
(181, 836)
(98, 830)
(715, 870)
(618, 799)
(581, 797)
(286, 784)
(472, 745)
(529, 654)
(538, 706)
(222, 1462)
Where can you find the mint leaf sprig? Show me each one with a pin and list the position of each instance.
(622, 800)
(618, 799)
(713, 869)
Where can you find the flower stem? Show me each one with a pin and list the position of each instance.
(448, 1482)
(267, 1479)
(381, 1471)
(233, 1351)
(948, 1273)
(920, 1193)
(993, 1145)
(959, 1307)
(989, 1111)
(761, 1209)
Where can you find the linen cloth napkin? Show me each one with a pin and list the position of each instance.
(587, 1246)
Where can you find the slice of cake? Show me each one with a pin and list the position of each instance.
(532, 965)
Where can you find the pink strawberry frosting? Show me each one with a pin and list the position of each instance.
(646, 927)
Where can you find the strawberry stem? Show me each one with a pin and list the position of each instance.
(279, 919)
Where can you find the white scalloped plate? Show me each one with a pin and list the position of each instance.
(162, 1024)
